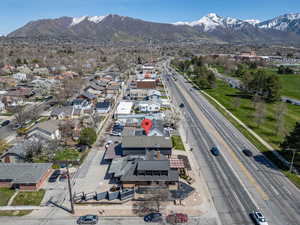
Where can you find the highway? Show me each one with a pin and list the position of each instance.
(237, 183)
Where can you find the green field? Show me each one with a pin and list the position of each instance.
(290, 85)
(5, 195)
(29, 198)
(67, 155)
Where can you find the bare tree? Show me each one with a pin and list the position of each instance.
(260, 113)
(280, 119)
(21, 114)
(33, 148)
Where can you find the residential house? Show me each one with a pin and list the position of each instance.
(81, 104)
(15, 154)
(154, 95)
(149, 106)
(24, 176)
(124, 108)
(103, 107)
(147, 84)
(88, 96)
(139, 145)
(62, 113)
(158, 129)
(48, 130)
(20, 76)
(138, 94)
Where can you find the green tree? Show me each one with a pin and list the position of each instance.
(88, 136)
(292, 141)
(240, 71)
(19, 61)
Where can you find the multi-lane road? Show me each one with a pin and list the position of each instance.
(238, 184)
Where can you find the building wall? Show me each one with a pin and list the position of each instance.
(5, 184)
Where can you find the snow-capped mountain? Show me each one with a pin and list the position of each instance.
(212, 27)
(213, 21)
(287, 22)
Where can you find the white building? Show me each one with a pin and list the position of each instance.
(124, 108)
(149, 106)
(20, 76)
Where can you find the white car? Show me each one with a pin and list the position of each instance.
(259, 218)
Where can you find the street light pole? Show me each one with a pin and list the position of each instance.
(70, 191)
(293, 158)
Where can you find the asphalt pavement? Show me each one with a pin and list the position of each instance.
(238, 184)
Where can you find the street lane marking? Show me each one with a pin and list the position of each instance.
(210, 127)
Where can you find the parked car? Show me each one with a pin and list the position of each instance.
(5, 123)
(153, 217)
(177, 218)
(88, 219)
(16, 126)
(258, 218)
(181, 105)
(247, 152)
(215, 151)
(63, 177)
(54, 176)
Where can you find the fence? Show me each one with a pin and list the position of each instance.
(121, 195)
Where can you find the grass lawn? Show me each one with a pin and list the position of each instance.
(290, 85)
(29, 198)
(5, 195)
(225, 95)
(15, 212)
(67, 154)
(177, 143)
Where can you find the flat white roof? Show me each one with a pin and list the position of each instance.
(124, 107)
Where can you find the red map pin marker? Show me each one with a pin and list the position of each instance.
(147, 125)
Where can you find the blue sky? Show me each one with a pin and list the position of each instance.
(16, 13)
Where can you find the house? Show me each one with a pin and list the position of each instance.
(149, 106)
(48, 130)
(81, 104)
(158, 129)
(138, 94)
(15, 154)
(124, 108)
(62, 113)
(103, 107)
(154, 95)
(20, 76)
(24, 176)
(147, 84)
(88, 96)
(139, 145)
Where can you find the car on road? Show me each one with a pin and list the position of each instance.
(215, 151)
(153, 217)
(63, 177)
(88, 219)
(16, 126)
(177, 218)
(247, 152)
(181, 105)
(258, 218)
(5, 123)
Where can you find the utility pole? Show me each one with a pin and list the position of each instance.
(70, 191)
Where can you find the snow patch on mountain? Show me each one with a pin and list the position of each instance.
(281, 22)
(252, 21)
(94, 19)
(77, 20)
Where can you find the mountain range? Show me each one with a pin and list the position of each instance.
(284, 29)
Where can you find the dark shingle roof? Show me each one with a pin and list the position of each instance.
(102, 105)
(153, 165)
(146, 142)
(30, 173)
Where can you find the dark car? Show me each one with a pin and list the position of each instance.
(247, 152)
(153, 217)
(181, 105)
(54, 176)
(215, 151)
(177, 218)
(5, 123)
(88, 219)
